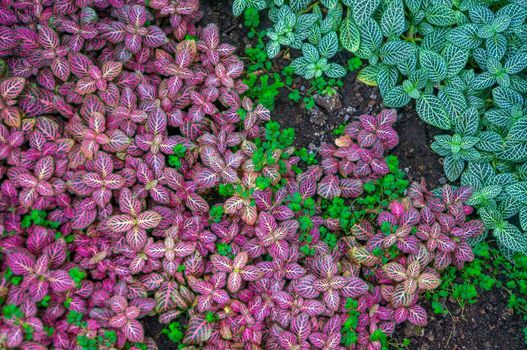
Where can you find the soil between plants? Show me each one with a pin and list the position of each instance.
(485, 325)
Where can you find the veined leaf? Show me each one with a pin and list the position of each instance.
(441, 15)
(395, 52)
(396, 97)
(363, 10)
(511, 237)
(455, 58)
(518, 191)
(392, 20)
(328, 46)
(349, 35)
(434, 64)
(432, 111)
(199, 330)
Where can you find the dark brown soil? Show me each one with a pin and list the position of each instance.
(486, 325)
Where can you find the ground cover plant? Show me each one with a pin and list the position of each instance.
(463, 63)
(266, 80)
(489, 270)
(137, 180)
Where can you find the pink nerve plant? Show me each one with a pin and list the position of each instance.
(131, 186)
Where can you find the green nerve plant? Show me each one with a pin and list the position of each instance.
(462, 61)
(312, 27)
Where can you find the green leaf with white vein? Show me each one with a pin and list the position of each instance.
(455, 58)
(432, 111)
(298, 5)
(496, 46)
(509, 207)
(329, 3)
(238, 6)
(453, 167)
(516, 63)
(485, 194)
(349, 35)
(335, 71)
(491, 218)
(434, 64)
(392, 20)
(396, 97)
(371, 37)
(465, 36)
(441, 15)
(468, 122)
(329, 45)
(518, 132)
(395, 52)
(523, 218)
(310, 52)
(511, 237)
(454, 102)
(514, 152)
(363, 9)
(506, 97)
(490, 141)
(518, 191)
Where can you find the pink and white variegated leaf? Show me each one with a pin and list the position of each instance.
(148, 219)
(60, 68)
(395, 271)
(312, 307)
(428, 281)
(305, 288)
(20, 263)
(83, 218)
(282, 213)
(196, 203)
(183, 249)
(47, 37)
(111, 69)
(10, 88)
(155, 37)
(351, 188)
(234, 282)
(294, 271)
(329, 187)
(155, 250)
(60, 281)
(133, 330)
(400, 315)
(128, 203)
(199, 330)
(233, 205)
(325, 266)
(301, 326)
(80, 64)
(462, 194)
(251, 273)
(417, 315)
(354, 287)
(165, 297)
(331, 298)
(307, 188)
(136, 238)
(120, 223)
(400, 297)
(221, 263)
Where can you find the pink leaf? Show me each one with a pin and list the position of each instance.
(133, 331)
